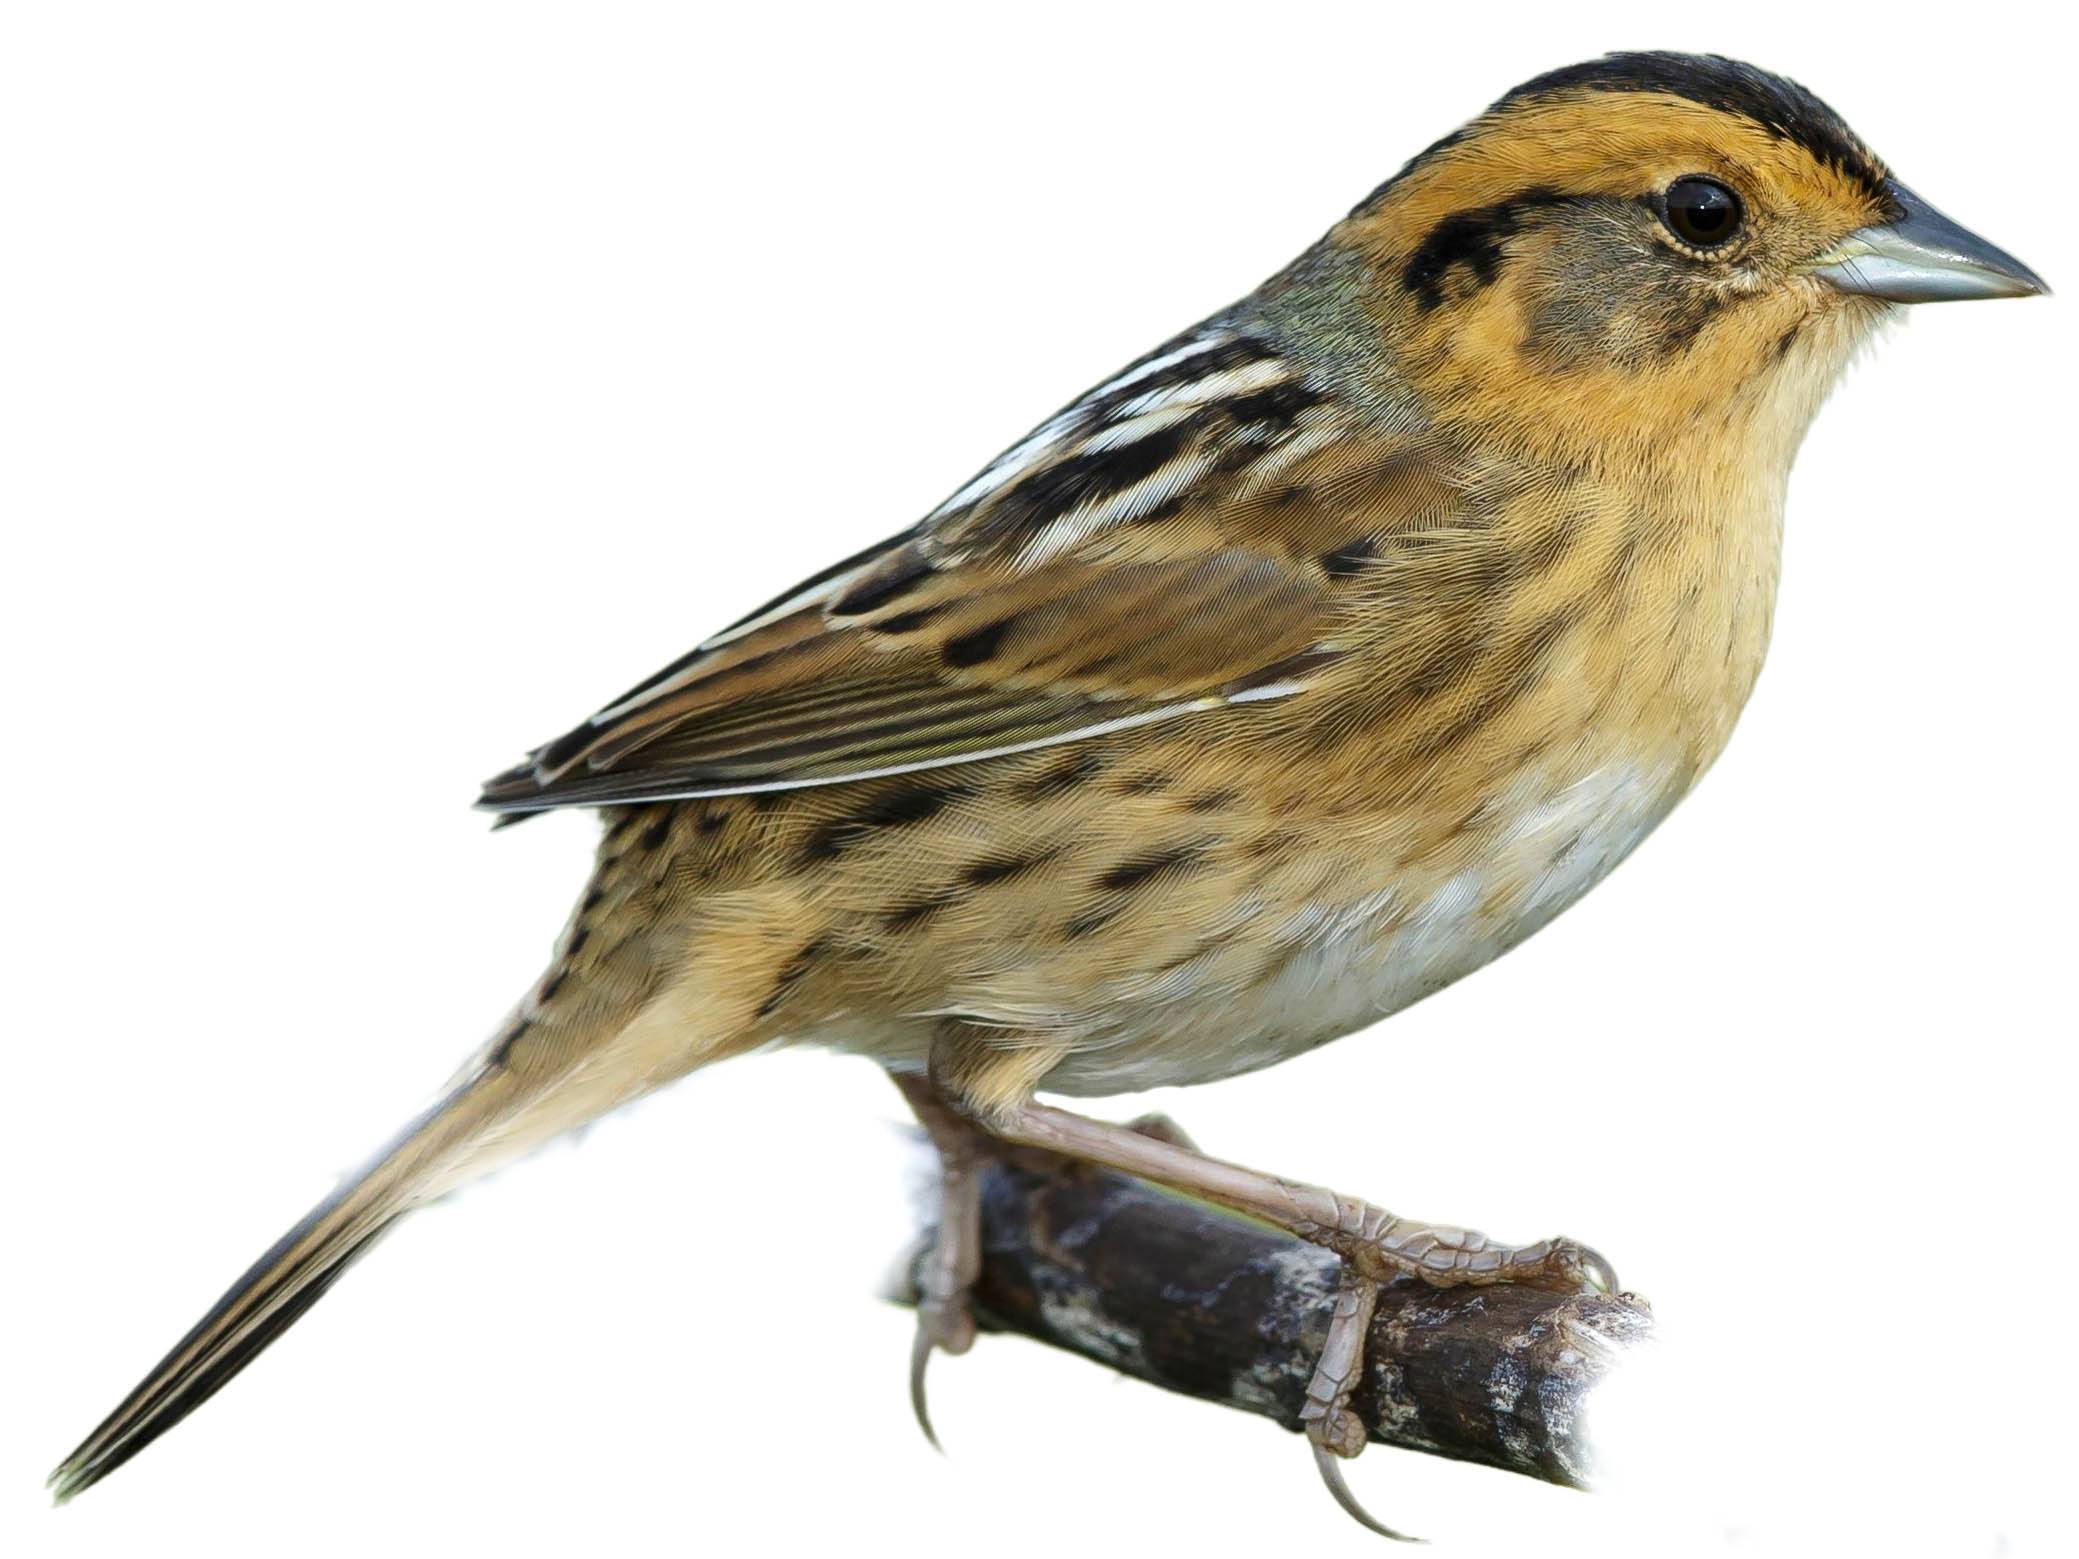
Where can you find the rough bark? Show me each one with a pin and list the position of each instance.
(1196, 1300)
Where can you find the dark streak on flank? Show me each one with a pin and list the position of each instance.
(1135, 870)
(1350, 558)
(1442, 669)
(1474, 240)
(1257, 846)
(897, 808)
(1553, 542)
(916, 911)
(993, 869)
(1065, 774)
(1527, 656)
(657, 832)
(1092, 921)
(1617, 573)
(1214, 800)
(792, 975)
(1196, 951)
(1788, 340)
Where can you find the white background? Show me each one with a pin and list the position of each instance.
(385, 386)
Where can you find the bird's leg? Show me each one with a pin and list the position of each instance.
(945, 1322)
(949, 1270)
(1374, 1245)
(1335, 1432)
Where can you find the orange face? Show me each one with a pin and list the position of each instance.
(1600, 263)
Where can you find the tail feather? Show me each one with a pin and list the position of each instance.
(428, 1158)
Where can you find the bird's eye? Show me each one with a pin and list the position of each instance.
(1702, 212)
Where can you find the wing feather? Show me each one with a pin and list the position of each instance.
(1175, 541)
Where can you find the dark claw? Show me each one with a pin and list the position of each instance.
(1331, 1468)
(920, 1360)
(1600, 1274)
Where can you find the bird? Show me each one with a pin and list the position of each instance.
(1289, 674)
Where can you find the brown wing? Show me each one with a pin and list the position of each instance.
(1176, 540)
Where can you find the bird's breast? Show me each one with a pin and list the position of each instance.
(1420, 847)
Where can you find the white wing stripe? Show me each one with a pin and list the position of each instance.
(1155, 365)
(1196, 392)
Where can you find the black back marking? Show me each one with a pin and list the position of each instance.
(902, 573)
(1094, 475)
(971, 649)
(1274, 408)
(907, 622)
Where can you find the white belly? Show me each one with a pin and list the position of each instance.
(1336, 968)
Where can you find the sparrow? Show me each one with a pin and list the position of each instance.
(1289, 674)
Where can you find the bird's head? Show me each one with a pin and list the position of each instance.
(1647, 244)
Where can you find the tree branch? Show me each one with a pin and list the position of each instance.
(1196, 1300)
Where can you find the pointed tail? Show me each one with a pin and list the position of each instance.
(432, 1155)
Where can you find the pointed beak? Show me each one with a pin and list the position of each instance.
(1923, 257)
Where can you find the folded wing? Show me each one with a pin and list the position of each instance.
(1181, 538)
